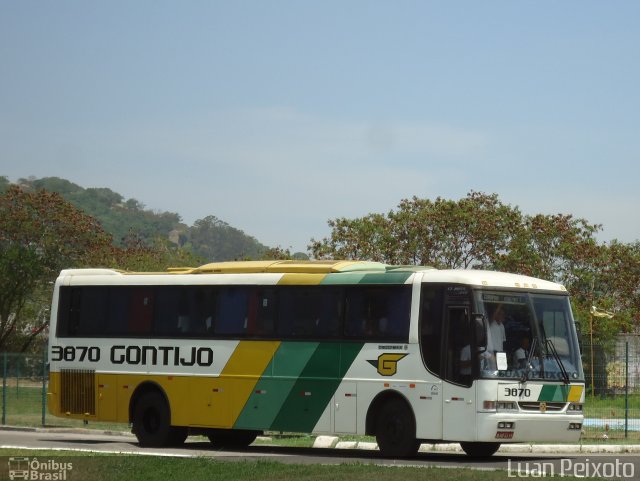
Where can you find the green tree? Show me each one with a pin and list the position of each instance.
(475, 231)
(40, 233)
(119, 217)
(215, 241)
(4, 184)
(479, 231)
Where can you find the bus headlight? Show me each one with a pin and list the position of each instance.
(575, 408)
(506, 406)
(489, 405)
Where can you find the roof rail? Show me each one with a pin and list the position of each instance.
(285, 266)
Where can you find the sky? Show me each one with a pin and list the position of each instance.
(276, 116)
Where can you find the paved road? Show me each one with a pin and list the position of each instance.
(587, 464)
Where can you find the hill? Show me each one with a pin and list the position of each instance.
(128, 220)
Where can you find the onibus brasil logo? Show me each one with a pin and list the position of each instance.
(33, 469)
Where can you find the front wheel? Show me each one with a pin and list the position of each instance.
(396, 430)
(480, 450)
(152, 422)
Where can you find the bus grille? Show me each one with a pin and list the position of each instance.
(537, 406)
(78, 391)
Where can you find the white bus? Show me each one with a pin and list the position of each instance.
(406, 354)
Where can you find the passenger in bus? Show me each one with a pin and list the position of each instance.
(184, 323)
(465, 360)
(520, 355)
(496, 337)
(370, 328)
(383, 326)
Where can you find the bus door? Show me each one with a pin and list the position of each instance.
(458, 396)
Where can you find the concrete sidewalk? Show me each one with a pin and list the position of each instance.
(334, 442)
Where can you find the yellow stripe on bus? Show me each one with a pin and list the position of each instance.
(243, 371)
(301, 279)
(575, 394)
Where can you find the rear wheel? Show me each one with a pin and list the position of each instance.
(480, 450)
(152, 422)
(396, 430)
(232, 438)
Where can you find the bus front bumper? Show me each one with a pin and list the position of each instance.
(512, 428)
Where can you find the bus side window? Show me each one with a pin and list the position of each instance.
(233, 311)
(309, 312)
(69, 311)
(378, 313)
(300, 312)
(331, 313)
(92, 311)
(141, 310)
(167, 310)
(431, 327)
(355, 323)
(459, 355)
(118, 311)
(205, 311)
(261, 315)
(399, 314)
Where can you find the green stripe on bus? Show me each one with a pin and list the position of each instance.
(551, 393)
(276, 384)
(373, 278)
(315, 387)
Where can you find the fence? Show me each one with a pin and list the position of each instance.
(24, 389)
(612, 401)
(611, 409)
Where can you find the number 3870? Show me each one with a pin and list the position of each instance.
(75, 353)
(517, 392)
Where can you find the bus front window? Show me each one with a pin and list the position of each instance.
(530, 336)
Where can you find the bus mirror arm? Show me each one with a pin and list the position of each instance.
(480, 324)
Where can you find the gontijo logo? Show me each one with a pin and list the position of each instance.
(387, 363)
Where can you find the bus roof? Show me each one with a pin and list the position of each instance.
(294, 267)
(342, 271)
(490, 279)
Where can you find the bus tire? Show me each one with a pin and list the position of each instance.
(152, 422)
(178, 435)
(480, 450)
(396, 430)
(232, 438)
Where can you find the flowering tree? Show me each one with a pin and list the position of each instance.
(40, 233)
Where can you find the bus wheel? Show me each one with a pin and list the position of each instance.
(480, 450)
(152, 422)
(396, 430)
(178, 435)
(232, 438)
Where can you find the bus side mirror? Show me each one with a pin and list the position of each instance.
(480, 325)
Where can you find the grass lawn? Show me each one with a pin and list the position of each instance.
(142, 468)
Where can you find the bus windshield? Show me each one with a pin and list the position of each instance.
(530, 336)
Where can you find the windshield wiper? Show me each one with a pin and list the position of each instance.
(528, 366)
(552, 348)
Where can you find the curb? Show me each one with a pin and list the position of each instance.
(335, 443)
(29, 429)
